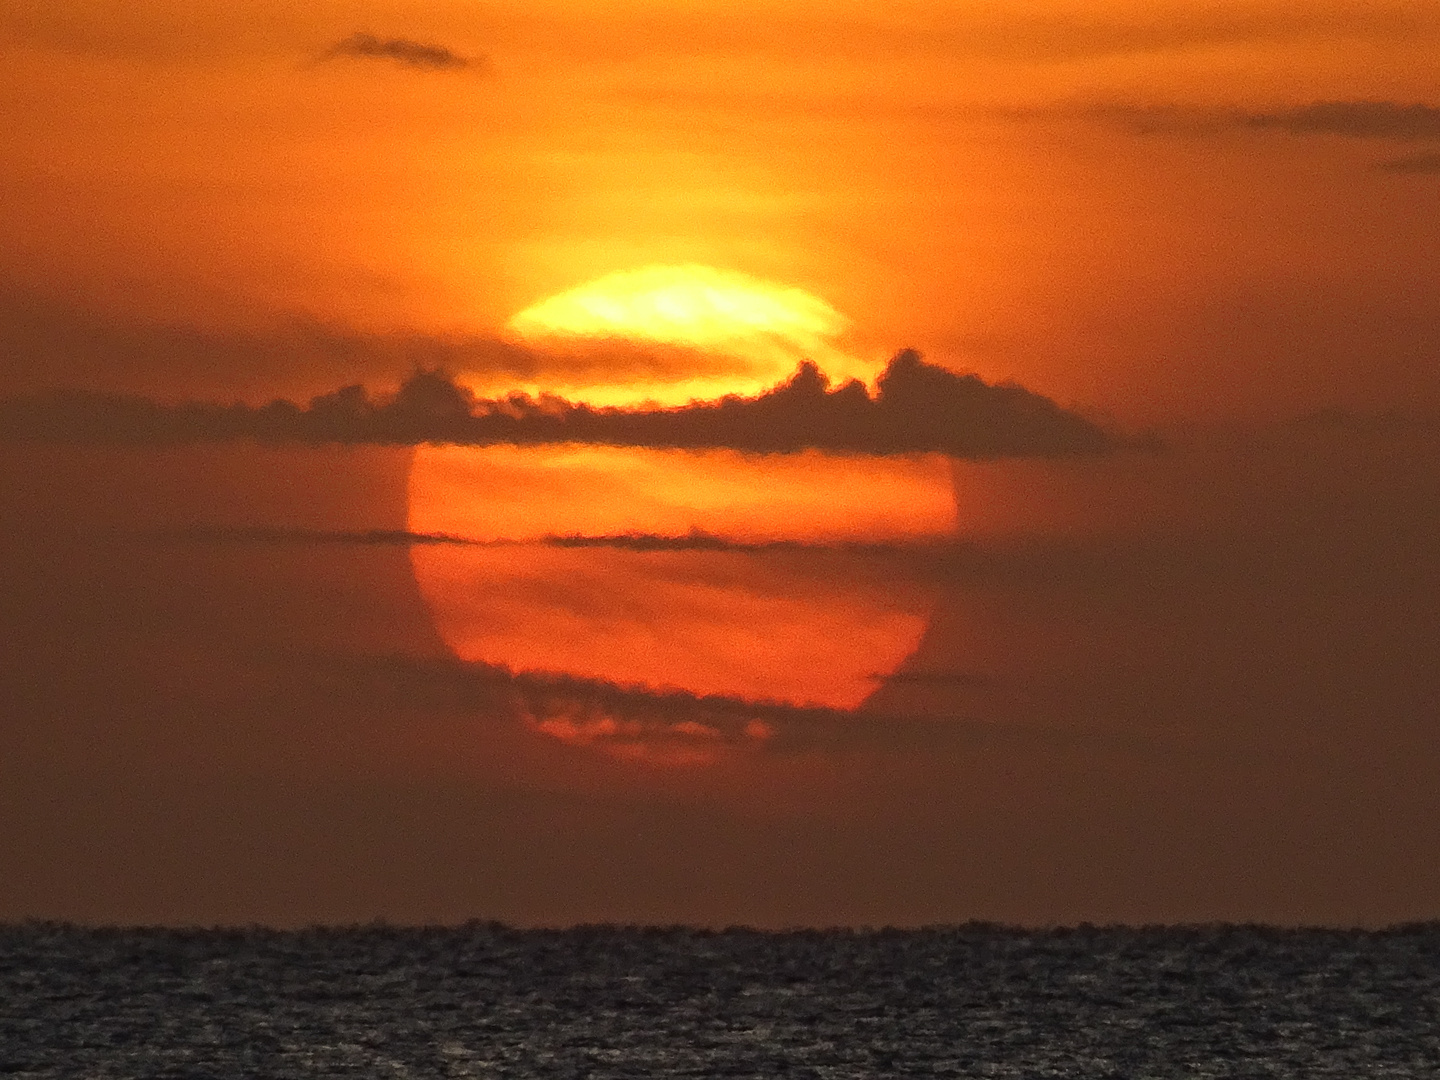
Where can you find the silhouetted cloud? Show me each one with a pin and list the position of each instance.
(1425, 162)
(696, 540)
(416, 54)
(580, 711)
(262, 534)
(1399, 121)
(662, 725)
(1178, 558)
(936, 678)
(918, 407)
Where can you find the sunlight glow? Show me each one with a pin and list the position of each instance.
(690, 305)
(765, 328)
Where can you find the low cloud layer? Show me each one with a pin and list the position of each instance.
(919, 407)
(415, 54)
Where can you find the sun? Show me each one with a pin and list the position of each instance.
(690, 305)
(742, 334)
(793, 611)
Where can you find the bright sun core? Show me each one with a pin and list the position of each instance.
(742, 335)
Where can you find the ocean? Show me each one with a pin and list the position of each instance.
(484, 1000)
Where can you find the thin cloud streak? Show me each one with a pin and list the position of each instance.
(628, 721)
(1179, 557)
(415, 54)
(1356, 119)
(1427, 163)
(47, 344)
(636, 541)
(918, 408)
(1378, 120)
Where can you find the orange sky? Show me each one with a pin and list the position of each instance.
(1055, 192)
(1185, 682)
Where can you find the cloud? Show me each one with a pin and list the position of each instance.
(1427, 162)
(1279, 664)
(662, 726)
(626, 721)
(1176, 557)
(695, 540)
(1357, 119)
(46, 344)
(416, 54)
(918, 408)
(1389, 120)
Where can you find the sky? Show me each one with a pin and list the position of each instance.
(379, 541)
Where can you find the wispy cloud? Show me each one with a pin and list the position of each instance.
(1424, 162)
(665, 726)
(696, 540)
(1380, 120)
(46, 343)
(1356, 119)
(918, 407)
(415, 54)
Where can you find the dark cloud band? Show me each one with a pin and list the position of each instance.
(918, 408)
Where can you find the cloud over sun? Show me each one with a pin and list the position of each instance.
(747, 334)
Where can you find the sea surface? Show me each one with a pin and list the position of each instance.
(484, 1000)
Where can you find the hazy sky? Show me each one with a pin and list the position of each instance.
(1125, 206)
(1188, 678)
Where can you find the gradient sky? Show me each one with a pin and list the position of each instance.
(1189, 679)
(1124, 206)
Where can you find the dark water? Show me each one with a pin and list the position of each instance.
(484, 1000)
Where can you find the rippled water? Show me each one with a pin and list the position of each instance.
(484, 1000)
